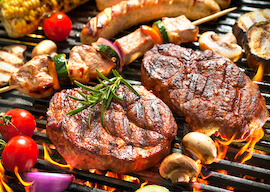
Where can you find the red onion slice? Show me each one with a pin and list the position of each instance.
(107, 42)
(53, 182)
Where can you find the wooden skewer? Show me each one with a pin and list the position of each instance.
(8, 88)
(197, 22)
(214, 16)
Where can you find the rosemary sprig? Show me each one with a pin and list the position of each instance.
(103, 92)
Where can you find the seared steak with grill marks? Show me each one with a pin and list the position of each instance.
(205, 87)
(137, 135)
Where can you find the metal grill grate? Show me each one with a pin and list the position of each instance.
(256, 169)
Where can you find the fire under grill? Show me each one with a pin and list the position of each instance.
(226, 175)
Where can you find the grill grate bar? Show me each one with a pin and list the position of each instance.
(87, 176)
(241, 169)
(258, 166)
(236, 182)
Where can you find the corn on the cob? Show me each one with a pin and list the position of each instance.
(21, 17)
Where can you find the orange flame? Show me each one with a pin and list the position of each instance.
(144, 184)
(108, 174)
(26, 184)
(259, 74)
(196, 187)
(222, 172)
(227, 142)
(3, 184)
(48, 158)
(221, 150)
(200, 172)
(255, 137)
(222, 147)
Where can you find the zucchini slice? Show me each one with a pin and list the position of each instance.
(62, 70)
(152, 188)
(159, 26)
(109, 50)
(110, 53)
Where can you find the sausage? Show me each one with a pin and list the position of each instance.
(126, 14)
(102, 4)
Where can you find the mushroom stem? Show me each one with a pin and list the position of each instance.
(199, 146)
(226, 45)
(179, 168)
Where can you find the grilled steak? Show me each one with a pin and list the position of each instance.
(205, 87)
(137, 135)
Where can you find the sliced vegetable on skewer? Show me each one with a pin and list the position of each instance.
(160, 28)
(62, 72)
(53, 74)
(111, 51)
(155, 35)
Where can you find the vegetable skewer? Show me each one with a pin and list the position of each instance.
(12, 86)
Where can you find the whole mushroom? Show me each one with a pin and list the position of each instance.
(226, 45)
(45, 47)
(199, 146)
(178, 168)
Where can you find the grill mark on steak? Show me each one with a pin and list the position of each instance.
(137, 135)
(205, 87)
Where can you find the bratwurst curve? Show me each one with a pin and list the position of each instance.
(207, 88)
(126, 14)
(137, 135)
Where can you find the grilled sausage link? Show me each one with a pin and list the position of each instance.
(126, 14)
(102, 4)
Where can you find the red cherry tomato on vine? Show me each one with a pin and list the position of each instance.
(20, 151)
(57, 27)
(22, 123)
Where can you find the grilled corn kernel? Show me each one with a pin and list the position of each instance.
(21, 17)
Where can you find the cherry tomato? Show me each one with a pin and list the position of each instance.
(20, 151)
(57, 27)
(23, 120)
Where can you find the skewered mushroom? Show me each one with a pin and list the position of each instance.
(199, 146)
(45, 47)
(178, 167)
(226, 45)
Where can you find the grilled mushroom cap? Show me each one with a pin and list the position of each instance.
(257, 47)
(226, 45)
(44, 47)
(178, 167)
(199, 146)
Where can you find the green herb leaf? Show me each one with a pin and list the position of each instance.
(104, 92)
